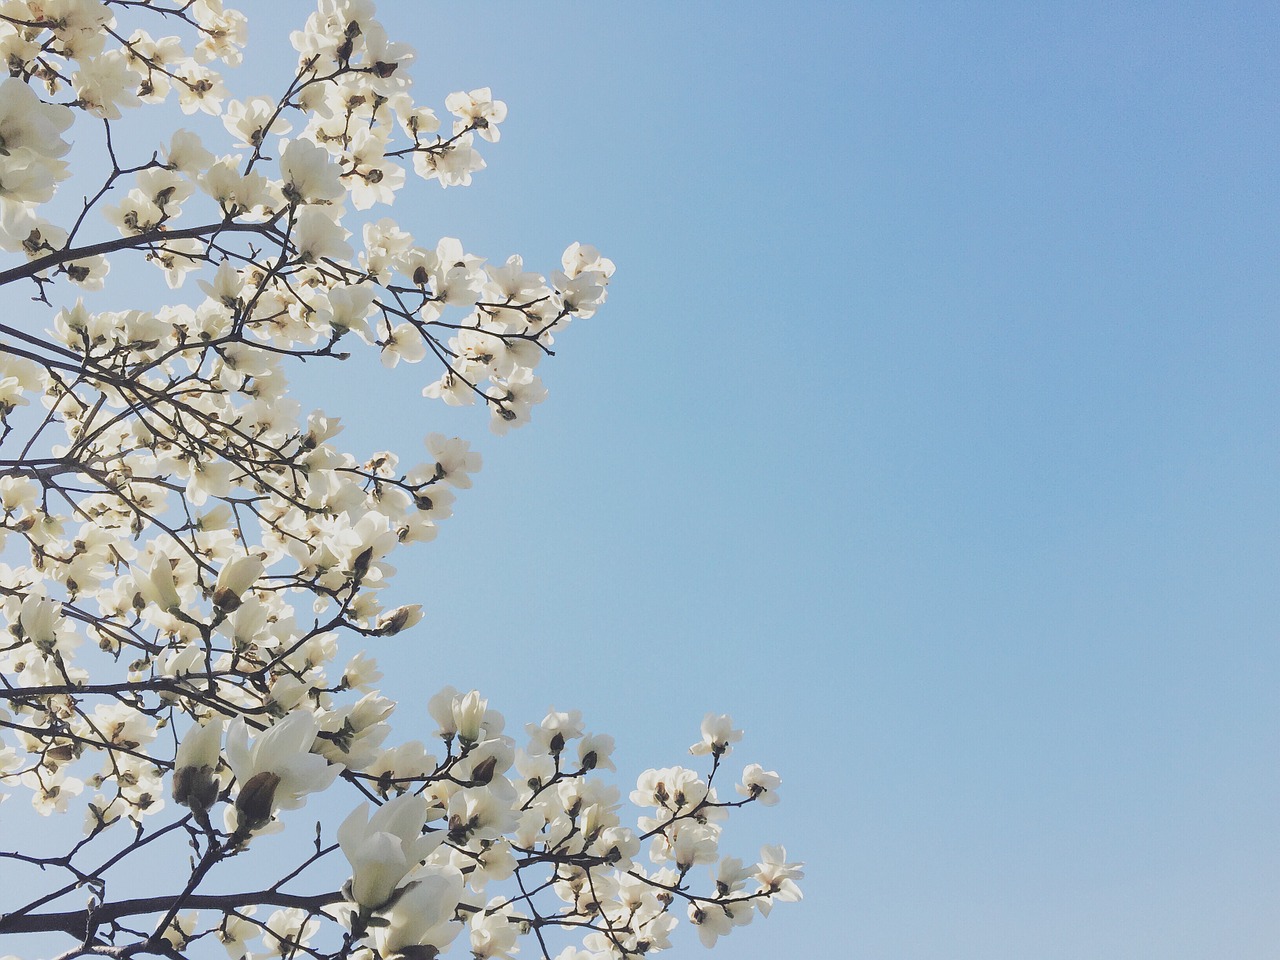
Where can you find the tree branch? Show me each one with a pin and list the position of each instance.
(76, 922)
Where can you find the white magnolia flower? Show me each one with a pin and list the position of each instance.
(310, 176)
(477, 110)
(580, 258)
(30, 144)
(204, 91)
(777, 878)
(235, 932)
(289, 929)
(157, 585)
(223, 32)
(455, 460)
(466, 716)
(760, 784)
(180, 930)
(384, 848)
(352, 734)
(451, 165)
(595, 751)
(555, 730)
(676, 789)
(235, 192)
(187, 154)
(319, 237)
(198, 755)
(421, 915)
(28, 123)
(104, 84)
(494, 932)
(277, 770)
(717, 734)
(40, 618)
(512, 400)
(52, 791)
(235, 579)
(715, 920)
(349, 307)
(394, 621)
(248, 121)
(403, 342)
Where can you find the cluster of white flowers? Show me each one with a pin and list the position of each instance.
(185, 551)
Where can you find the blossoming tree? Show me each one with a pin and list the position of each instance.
(189, 559)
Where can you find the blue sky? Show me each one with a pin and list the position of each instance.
(931, 430)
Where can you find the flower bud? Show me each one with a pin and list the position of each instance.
(256, 801)
(195, 787)
(401, 618)
(158, 586)
(484, 770)
(361, 565)
(468, 713)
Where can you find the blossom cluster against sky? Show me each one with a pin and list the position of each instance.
(932, 431)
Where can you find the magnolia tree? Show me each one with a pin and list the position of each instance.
(190, 561)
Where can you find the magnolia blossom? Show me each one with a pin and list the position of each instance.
(276, 771)
(40, 619)
(477, 110)
(158, 585)
(310, 176)
(403, 342)
(401, 618)
(234, 933)
(421, 916)
(451, 165)
(186, 153)
(384, 848)
(556, 729)
(249, 121)
(777, 878)
(494, 932)
(716, 920)
(235, 579)
(289, 929)
(30, 144)
(595, 750)
(717, 735)
(180, 930)
(465, 715)
(760, 784)
(319, 237)
(455, 460)
(105, 84)
(350, 736)
(52, 791)
(198, 756)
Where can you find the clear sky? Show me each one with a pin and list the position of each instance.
(932, 430)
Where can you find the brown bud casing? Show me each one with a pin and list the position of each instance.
(256, 800)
